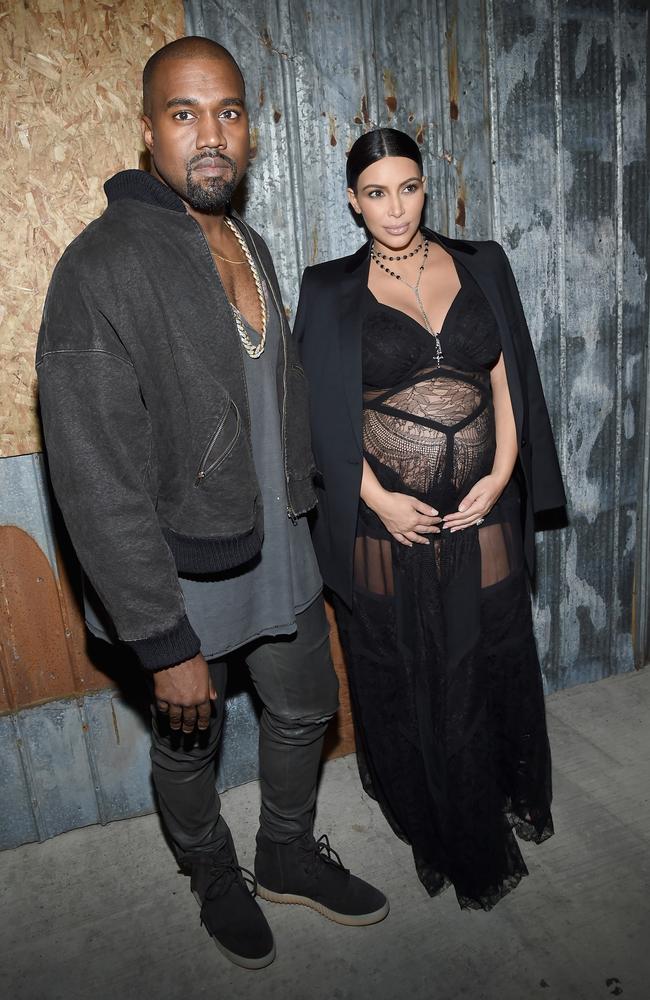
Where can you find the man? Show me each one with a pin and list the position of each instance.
(176, 421)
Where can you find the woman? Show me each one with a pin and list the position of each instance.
(434, 446)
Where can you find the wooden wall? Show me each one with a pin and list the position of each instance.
(70, 80)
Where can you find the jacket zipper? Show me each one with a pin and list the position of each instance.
(202, 473)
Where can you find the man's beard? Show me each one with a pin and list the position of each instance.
(212, 194)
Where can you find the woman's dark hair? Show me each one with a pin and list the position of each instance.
(375, 146)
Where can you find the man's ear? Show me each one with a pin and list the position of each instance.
(147, 132)
(352, 198)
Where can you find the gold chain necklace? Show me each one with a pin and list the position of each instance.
(253, 350)
(227, 259)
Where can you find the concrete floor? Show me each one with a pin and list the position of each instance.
(100, 913)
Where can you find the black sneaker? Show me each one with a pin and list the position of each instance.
(228, 908)
(311, 873)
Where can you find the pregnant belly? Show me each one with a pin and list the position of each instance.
(436, 454)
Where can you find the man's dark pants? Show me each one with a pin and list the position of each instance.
(296, 682)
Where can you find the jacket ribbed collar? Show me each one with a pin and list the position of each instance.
(138, 185)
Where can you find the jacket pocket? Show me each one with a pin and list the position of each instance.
(221, 443)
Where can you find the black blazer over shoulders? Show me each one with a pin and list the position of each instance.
(328, 329)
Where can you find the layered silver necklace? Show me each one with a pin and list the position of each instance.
(378, 257)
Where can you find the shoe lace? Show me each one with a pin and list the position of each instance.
(222, 875)
(324, 853)
(222, 872)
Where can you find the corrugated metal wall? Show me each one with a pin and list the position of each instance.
(531, 116)
(532, 121)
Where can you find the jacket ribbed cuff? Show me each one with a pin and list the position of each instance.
(212, 555)
(167, 648)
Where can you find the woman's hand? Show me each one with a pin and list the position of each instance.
(408, 520)
(478, 502)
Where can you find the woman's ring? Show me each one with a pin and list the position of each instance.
(480, 521)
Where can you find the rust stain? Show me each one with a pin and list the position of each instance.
(36, 662)
(262, 95)
(254, 140)
(116, 728)
(340, 735)
(277, 115)
(332, 126)
(364, 110)
(357, 120)
(42, 635)
(419, 135)
(461, 196)
(390, 92)
(411, 118)
(452, 70)
(314, 245)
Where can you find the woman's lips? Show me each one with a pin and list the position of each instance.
(397, 230)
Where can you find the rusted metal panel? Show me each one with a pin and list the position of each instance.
(531, 117)
(73, 754)
(76, 762)
(17, 820)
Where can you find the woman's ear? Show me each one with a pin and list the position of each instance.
(352, 198)
(424, 183)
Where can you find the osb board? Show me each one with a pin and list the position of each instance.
(70, 75)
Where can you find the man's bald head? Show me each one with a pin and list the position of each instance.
(190, 47)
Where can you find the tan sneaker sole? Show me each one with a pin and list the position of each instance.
(348, 919)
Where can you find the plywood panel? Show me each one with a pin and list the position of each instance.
(70, 80)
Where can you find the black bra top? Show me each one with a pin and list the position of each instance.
(396, 347)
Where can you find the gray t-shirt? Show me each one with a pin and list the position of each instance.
(262, 598)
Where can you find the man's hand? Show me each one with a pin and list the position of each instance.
(183, 692)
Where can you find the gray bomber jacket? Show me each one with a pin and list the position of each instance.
(145, 413)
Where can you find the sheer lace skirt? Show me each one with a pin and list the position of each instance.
(444, 675)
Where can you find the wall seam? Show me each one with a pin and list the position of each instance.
(618, 411)
(559, 623)
(493, 124)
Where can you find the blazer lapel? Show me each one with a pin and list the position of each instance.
(467, 255)
(350, 319)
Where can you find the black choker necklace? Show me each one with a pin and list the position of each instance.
(402, 256)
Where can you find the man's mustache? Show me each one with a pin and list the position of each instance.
(202, 157)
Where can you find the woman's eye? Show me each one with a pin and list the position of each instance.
(375, 194)
(410, 188)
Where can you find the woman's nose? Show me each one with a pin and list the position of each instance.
(396, 208)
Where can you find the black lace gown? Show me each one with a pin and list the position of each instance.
(444, 674)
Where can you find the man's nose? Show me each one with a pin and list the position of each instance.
(210, 133)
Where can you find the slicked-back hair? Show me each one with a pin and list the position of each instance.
(189, 47)
(375, 146)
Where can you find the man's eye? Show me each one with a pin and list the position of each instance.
(229, 114)
(183, 116)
